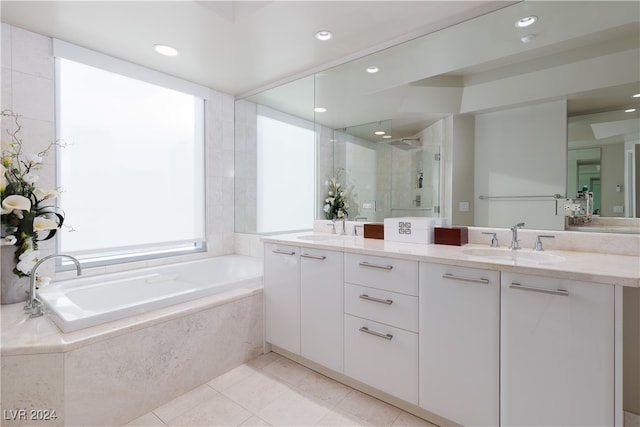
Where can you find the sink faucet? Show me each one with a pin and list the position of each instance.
(344, 230)
(355, 226)
(515, 244)
(33, 305)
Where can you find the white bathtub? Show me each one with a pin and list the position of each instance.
(83, 302)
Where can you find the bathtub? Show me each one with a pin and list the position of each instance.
(84, 302)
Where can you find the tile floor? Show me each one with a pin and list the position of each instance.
(273, 390)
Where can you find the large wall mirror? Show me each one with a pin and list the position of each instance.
(485, 123)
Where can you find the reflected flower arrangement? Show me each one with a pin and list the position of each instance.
(335, 203)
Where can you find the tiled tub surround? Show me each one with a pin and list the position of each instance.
(605, 260)
(115, 372)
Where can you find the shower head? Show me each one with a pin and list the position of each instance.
(405, 143)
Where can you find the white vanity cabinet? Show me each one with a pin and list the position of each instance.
(282, 296)
(321, 301)
(381, 324)
(557, 352)
(460, 343)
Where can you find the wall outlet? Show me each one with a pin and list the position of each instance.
(369, 205)
(463, 206)
(618, 209)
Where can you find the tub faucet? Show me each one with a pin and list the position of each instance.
(515, 243)
(33, 304)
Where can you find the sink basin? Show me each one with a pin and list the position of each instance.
(323, 237)
(519, 256)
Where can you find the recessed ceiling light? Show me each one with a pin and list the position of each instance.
(637, 95)
(165, 50)
(324, 35)
(320, 109)
(387, 137)
(379, 132)
(372, 69)
(528, 38)
(630, 110)
(526, 21)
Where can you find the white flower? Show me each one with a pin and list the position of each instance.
(16, 204)
(42, 194)
(41, 223)
(32, 159)
(31, 177)
(9, 240)
(331, 193)
(27, 261)
(3, 179)
(338, 184)
(340, 213)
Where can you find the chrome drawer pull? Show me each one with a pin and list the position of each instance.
(465, 279)
(280, 251)
(320, 257)
(366, 330)
(378, 266)
(381, 301)
(540, 290)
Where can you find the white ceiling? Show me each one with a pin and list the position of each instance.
(238, 47)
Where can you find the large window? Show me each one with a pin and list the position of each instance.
(286, 172)
(132, 171)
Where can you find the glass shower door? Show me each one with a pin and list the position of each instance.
(415, 181)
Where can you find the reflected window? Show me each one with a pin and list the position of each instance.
(285, 172)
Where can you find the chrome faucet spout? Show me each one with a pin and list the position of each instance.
(515, 243)
(343, 219)
(33, 305)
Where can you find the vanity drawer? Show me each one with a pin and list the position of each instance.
(386, 307)
(382, 356)
(391, 274)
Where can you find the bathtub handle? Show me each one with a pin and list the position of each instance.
(319, 257)
(280, 251)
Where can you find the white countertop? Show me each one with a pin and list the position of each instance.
(609, 269)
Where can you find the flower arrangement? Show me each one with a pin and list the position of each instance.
(335, 204)
(26, 214)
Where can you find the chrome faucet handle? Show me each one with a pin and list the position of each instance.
(355, 228)
(333, 224)
(494, 240)
(538, 244)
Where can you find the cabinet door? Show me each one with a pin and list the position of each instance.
(382, 356)
(460, 343)
(557, 352)
(282, 296)
(321, 283)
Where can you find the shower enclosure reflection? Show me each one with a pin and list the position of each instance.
(389, 177)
